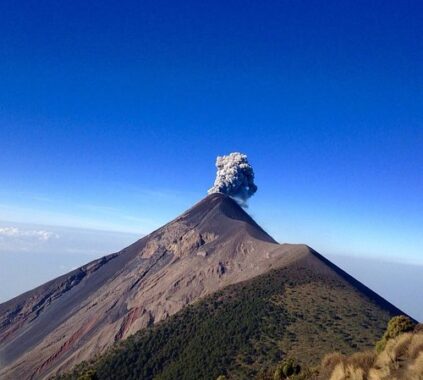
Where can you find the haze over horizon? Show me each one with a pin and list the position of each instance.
(111, 116)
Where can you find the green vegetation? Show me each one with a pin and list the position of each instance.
(396, 326)
(247, 327)
(89, 374)
(286, 369)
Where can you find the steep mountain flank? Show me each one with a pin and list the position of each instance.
(302, 310)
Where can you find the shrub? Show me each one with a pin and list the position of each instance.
(396, 326)
(88, 375)
(286, 368)
(278, 374)
(290, 367)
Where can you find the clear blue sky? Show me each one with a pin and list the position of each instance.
(112, 114)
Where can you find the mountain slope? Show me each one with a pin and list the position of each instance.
(303, 310)
(211, 246)
(67, 320)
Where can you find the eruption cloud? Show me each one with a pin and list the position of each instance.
(234, 177)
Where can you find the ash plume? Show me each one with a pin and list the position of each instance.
(234, 177)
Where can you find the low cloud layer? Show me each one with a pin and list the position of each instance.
(234, 177)
(15, 232)
(58, 240)
(32, 254)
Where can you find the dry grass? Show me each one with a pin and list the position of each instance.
(416, 346)
(364, 360)
(402, 358)
(329, 362)
(354, 367)
(347, 371)
(415, 369)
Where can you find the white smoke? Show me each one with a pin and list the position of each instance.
(234, 177)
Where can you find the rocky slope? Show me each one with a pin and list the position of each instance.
(66, 320)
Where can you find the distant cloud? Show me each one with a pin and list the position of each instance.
(15, 232)
(31, 254)
(58, 240)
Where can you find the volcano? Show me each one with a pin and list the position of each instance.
(211, 247)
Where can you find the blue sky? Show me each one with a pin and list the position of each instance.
(112, 114)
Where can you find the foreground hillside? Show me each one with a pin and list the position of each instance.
(294, 311)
